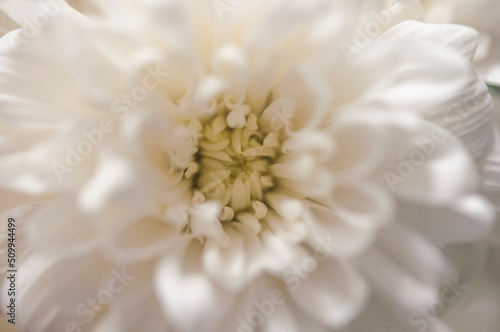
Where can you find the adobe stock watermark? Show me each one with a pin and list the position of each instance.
(427, 314)
(370, 30)
(222, 7)
(31, 26)
(88, 309)
(95, 136)
(406, 166)
(292, 278)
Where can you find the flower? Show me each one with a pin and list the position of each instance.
(483, 274)
(478, 262)
(197, 166)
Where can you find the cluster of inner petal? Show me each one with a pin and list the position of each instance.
(232, 165)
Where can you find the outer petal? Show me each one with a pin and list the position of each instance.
(378, 318)
(399, 282)
(269, 299)
(46, 96)
(140, 313)
(48, 306)
(480, 303)
(121, 192)
(469, 218)
(189, 299)
(58, 228)
(467, 114)
(332, 304)
(429, 165)
(411, 74)
(463, 40)
(338, 238)
(236, 261)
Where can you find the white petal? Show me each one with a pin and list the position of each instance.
(22, 10)
(468, 116)
(36, 315)
(230, 64)
(462, 39)
(397, 288)
(293, 230)
(235, 262)
(393, 283)
(276, 21)
(411, 74)
(333, 293)
(11, 199)
(293, 166)
(240, 308)
(205, 222)
(319, 185)
(120, 191)
(190, 300)
(377, 318)
(362, 206)
(46, 162)
(468, 218)
(310, 96)
(432, 166)
(478, 307)
(49, 306)
(58, 227)
(360, 145)
(141, 240)
(39, 126)
(140, 312)
(172, 18)
(414, 253)
(269, 297)
(330, 235)
(280, 253)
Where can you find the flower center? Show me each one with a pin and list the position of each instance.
(233, 160)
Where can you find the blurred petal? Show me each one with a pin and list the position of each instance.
(189, 299)
(462, 39)
(468, 116)
(333, 305)
(468, 218)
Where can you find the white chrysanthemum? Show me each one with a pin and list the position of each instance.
(197, 166)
